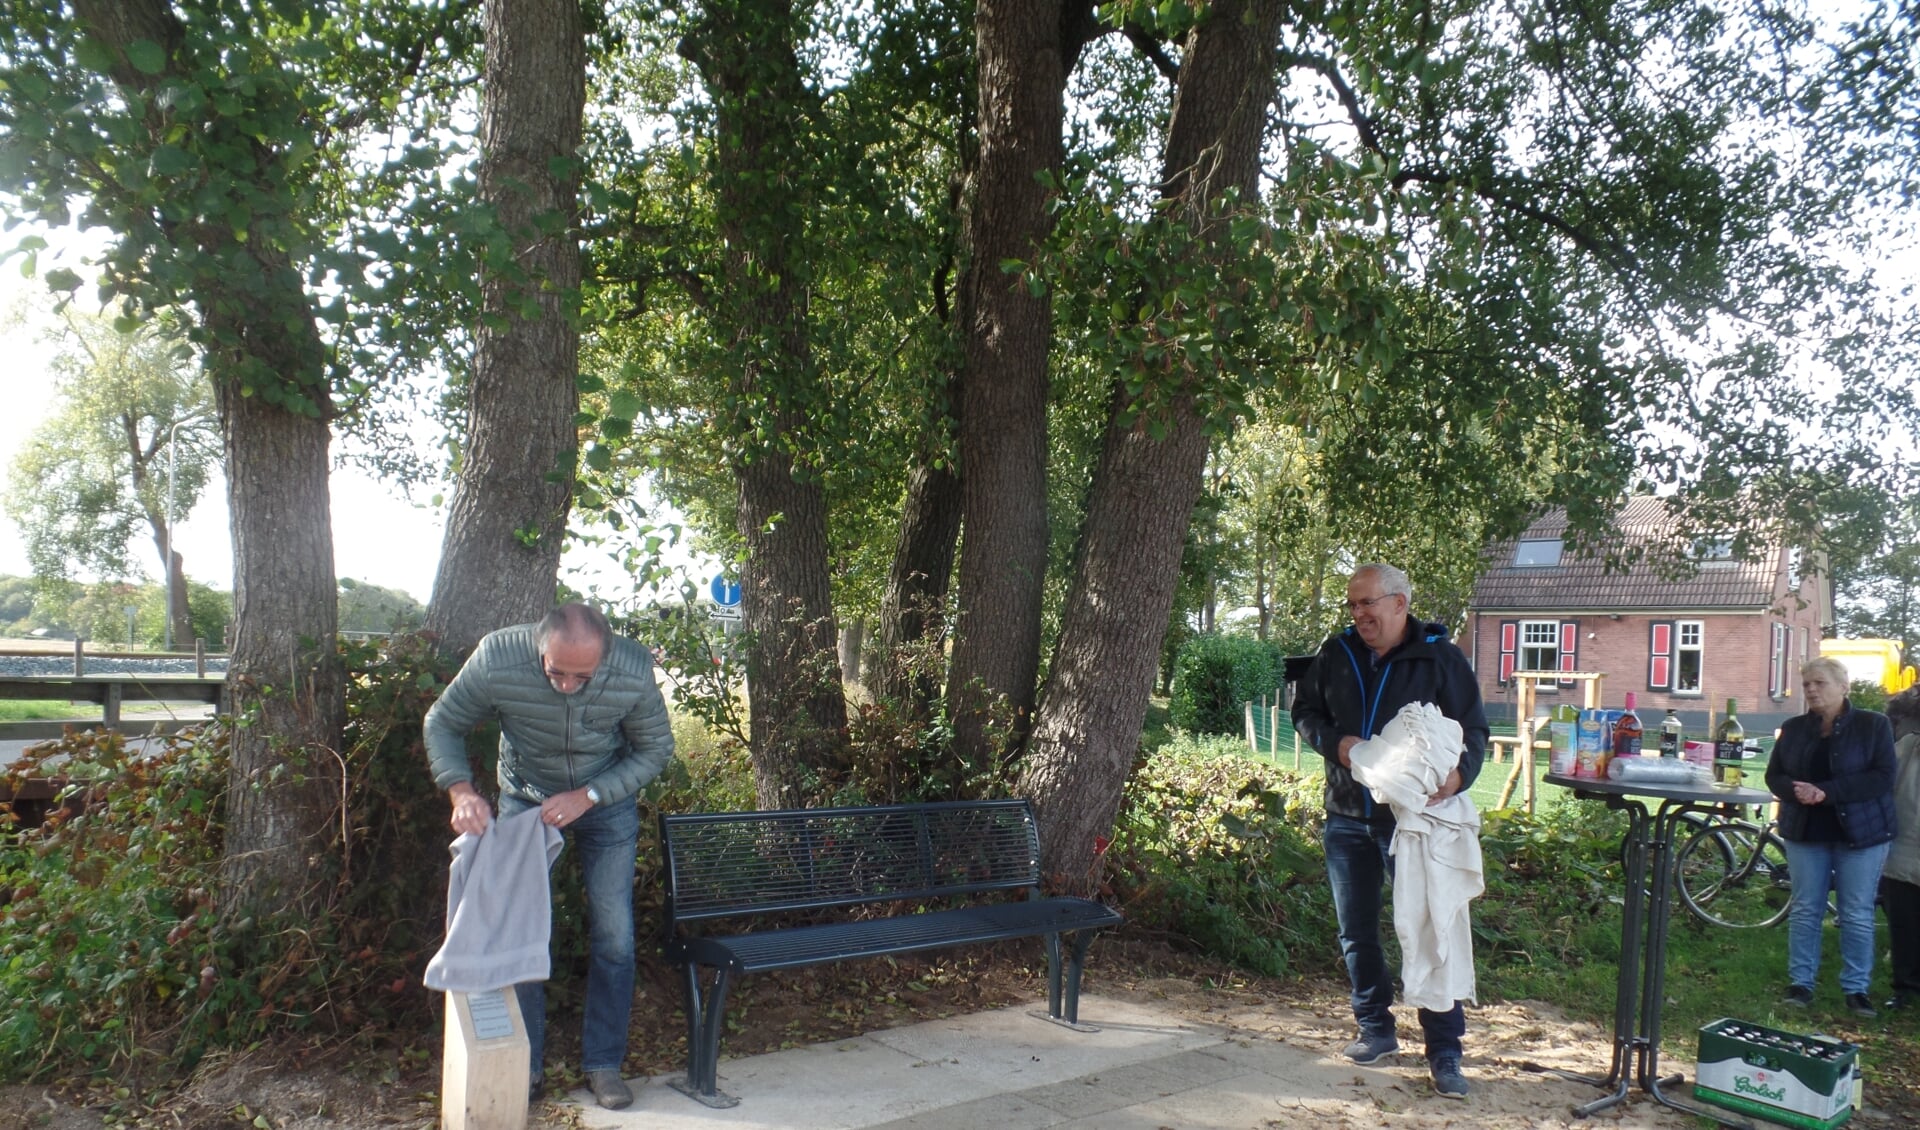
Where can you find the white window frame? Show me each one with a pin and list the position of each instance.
(1690, 636)
(1528, 646)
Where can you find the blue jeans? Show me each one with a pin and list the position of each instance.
(1853, 874)
(608, 839)
(1358, 868)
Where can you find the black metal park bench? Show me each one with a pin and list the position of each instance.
(741, 869)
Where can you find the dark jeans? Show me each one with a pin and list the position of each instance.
(1358, 868)
(606, 839)
(1902, 904)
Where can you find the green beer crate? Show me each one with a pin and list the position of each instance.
(1784, 1077)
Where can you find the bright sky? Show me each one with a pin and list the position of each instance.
(378, 536)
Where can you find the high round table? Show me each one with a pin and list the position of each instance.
(1643, 929)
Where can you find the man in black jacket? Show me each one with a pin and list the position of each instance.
(1357, 683)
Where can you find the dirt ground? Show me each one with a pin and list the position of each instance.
(347, 1086)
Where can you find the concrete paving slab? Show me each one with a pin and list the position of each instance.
(1150, 1067)
(915, 1071)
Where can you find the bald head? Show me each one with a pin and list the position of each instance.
(572, 639)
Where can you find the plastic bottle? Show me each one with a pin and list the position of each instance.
(1627, 731)
(1670, 735)
(1563, 755)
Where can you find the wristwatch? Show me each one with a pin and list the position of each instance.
(593, 796)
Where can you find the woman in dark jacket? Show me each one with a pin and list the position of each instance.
(1833, 771)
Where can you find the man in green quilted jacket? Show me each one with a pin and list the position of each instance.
(582, 730)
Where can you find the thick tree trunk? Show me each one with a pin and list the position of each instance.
(264, 357)
(747, 53)
(284, 673)
(1144, 490)
(505, 530)
(1022, 61)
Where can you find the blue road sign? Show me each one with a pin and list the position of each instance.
(726, 592)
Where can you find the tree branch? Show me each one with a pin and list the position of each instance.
(1326, 68)
(1150, 47)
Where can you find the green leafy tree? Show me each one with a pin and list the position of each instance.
(127, 451)
(213, 141)
(1877, 593)
(366, 607)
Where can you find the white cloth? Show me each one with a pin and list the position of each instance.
(1437, 869)
(499, 911)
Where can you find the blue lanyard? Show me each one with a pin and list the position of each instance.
(1371, 711)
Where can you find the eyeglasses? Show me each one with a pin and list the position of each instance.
(1369, 602)
(562, 679)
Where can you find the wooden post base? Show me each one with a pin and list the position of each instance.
(484, 1067)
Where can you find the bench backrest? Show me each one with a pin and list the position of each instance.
(730, 864)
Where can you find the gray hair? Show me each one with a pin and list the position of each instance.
(1834, 670)
(575, 623)
(1393, 582)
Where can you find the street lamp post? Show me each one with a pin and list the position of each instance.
(166, 601)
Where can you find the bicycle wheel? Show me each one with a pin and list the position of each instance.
(1734, 875)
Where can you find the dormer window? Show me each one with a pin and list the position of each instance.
(1537, 553)
(1713, 549)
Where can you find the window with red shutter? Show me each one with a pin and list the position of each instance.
(1660, 655)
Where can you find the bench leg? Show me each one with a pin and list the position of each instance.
(1063, 983)
(706, 1015)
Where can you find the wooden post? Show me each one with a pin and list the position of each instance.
(484, 1067)
(1253, 735)
(79, 657)
(199, 658)
(110, 707)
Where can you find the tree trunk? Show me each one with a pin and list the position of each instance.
(1144, 490)
(507, 525)
(1022, 61)
(853, 645)
(179, 617)
(746, 51)
(179, 610)
(914, 609)
(284, 673)
(264, 357)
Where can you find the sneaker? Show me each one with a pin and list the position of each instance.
(1897, 1001)
(609, 1090)
(1799, 996)
(1859, 1005)
(1367, 1050)
(1448, 1082)
(536, 1089)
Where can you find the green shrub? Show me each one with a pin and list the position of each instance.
(1224, 851)
(115, 957)
(1866, 694)
(1215, 676)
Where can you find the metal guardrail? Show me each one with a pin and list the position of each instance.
(111, 692)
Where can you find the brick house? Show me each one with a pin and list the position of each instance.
(1731, 629)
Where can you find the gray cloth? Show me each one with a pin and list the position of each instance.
(612, 734)
(1903, 862)
(499, 911)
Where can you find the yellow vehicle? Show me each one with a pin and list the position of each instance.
(1873, 661)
